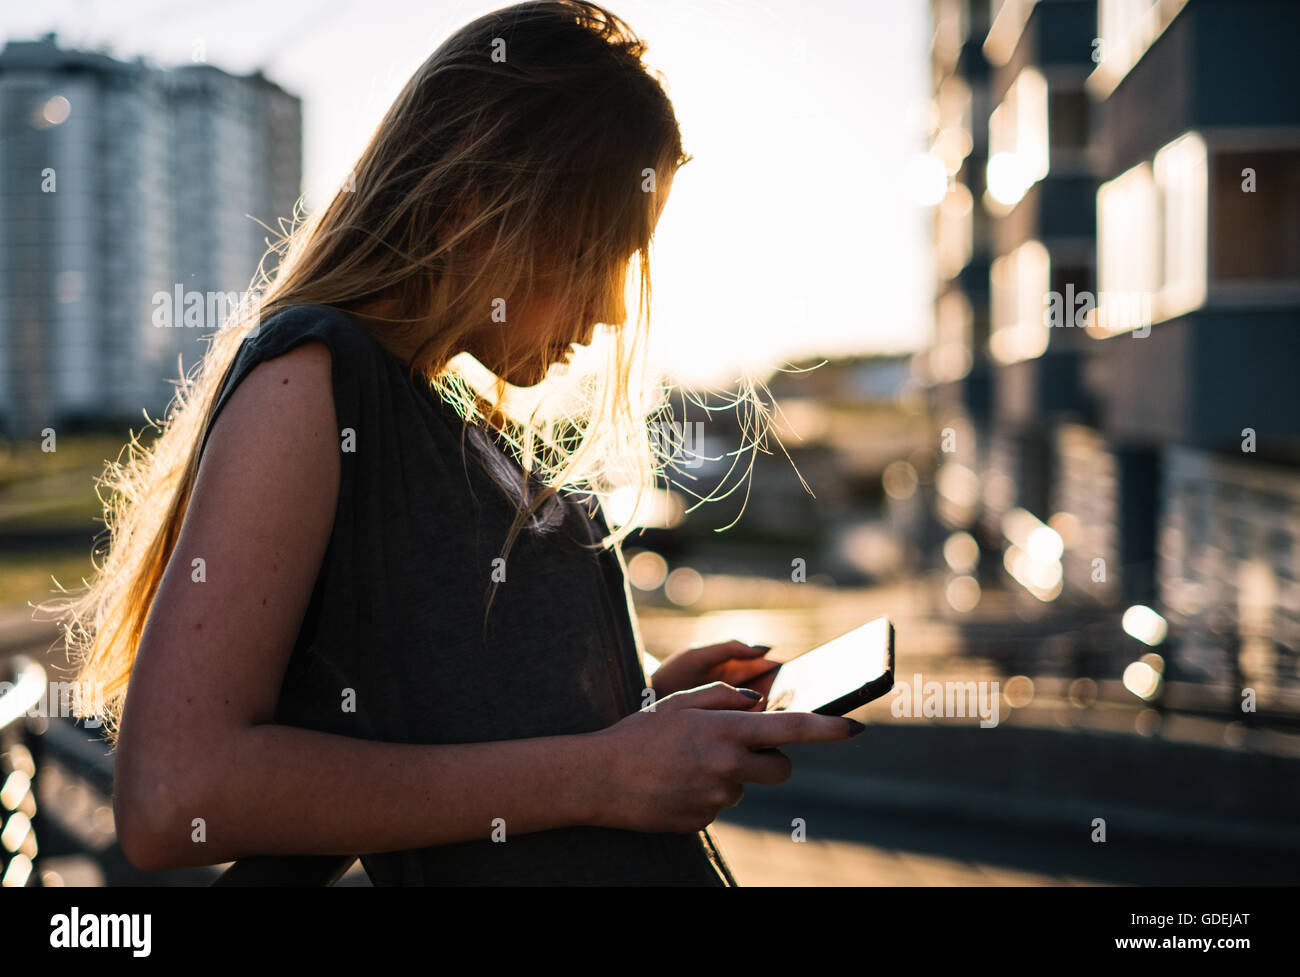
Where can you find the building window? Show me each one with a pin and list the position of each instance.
(1128, 240)
(1152, 225)
(1069, 119)
(950, 355)
(1007, 23)
(1255, 213)
(953, 231)
(1018, 141)
(1180, 170)
(1126, 29)
(1020, 282)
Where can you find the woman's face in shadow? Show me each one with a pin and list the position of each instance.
(539, 332)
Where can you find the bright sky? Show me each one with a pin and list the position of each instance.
(791, 234)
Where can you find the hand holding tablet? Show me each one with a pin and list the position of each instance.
(837, 677)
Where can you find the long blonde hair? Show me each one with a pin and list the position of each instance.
(524, 156)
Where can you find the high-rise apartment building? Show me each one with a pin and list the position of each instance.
(120, 183)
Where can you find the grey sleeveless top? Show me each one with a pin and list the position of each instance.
(397, 615)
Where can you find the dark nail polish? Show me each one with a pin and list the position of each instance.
(751, 693)
(764, 647)
(855, 727)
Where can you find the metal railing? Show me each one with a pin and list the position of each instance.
(29, 746)
(24, 688)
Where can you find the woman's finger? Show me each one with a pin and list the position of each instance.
(739, 671)
(767, 766)
(717, 654)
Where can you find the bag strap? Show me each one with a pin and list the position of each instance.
(298, 870)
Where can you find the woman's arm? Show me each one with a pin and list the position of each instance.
(198, 739)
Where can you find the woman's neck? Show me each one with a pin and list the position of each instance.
(401, 337)
(404, 338)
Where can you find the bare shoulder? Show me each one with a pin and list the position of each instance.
(280, 416)
(268, 481)
(293, 384)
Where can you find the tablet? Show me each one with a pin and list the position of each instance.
(839, 676)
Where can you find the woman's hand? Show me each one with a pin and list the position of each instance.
(675, 766)
(732, 662)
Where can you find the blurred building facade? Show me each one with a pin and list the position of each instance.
(121, 183)
(1118, 314)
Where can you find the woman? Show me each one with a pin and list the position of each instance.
(357, 602)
